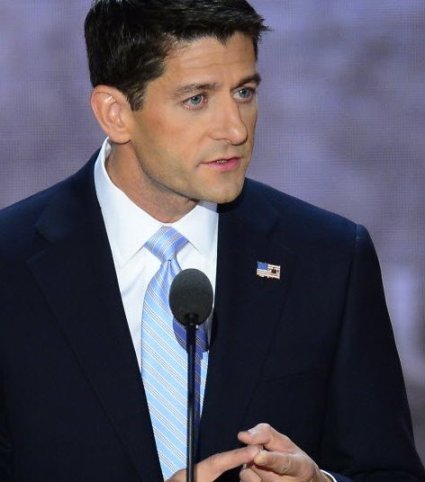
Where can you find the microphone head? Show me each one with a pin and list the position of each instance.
(191, 296)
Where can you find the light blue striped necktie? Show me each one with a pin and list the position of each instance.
(164, 356)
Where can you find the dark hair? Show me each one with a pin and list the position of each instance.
(128, 40)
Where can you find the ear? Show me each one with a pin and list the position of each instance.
(111, 109)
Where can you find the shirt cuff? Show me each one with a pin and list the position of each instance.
(329, 475)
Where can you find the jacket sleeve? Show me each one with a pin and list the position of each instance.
(368, 433)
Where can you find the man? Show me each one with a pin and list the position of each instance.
(300, 348)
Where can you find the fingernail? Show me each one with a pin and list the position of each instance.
(261, 458)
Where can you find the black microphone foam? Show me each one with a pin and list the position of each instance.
(191, 296)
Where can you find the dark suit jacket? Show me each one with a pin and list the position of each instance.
(312, 354)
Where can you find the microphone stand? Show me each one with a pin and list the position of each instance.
(191, 402)
(191, 300)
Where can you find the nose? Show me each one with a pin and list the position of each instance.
(228, 124)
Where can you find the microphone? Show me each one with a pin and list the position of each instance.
(191, 299)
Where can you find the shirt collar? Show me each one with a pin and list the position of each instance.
(129, 227)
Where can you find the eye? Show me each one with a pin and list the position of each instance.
(246, 94)
(195, 102)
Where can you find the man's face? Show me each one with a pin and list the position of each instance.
(193, 138)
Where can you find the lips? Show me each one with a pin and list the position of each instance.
(225, 164)
(224, 160)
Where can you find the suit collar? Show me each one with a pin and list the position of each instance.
(76, 274)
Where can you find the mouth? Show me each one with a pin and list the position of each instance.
(226, 164)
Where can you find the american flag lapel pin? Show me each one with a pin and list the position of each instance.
(267, 270)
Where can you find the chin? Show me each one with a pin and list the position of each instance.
(226, 196)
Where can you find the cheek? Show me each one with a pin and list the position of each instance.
(251, 119)
(173, 139)
(160, 143)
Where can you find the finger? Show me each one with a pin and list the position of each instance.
(211, 468)
(280, 463)
(283, 463)
(248, 475)
(214, 466)
(271, 439)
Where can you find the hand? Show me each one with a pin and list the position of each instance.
(281, 461)
(211, 468)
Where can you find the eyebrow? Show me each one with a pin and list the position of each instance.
(196, 87)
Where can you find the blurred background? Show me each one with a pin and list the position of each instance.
(342, 125)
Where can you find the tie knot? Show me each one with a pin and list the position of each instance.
(165, 243)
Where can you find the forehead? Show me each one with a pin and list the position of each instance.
(210, 57)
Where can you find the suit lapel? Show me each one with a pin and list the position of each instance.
(247, 309)
(75, 271)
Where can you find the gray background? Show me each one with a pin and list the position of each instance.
(342, 125)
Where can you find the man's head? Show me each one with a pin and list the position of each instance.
(175, 91)
(129, 40)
